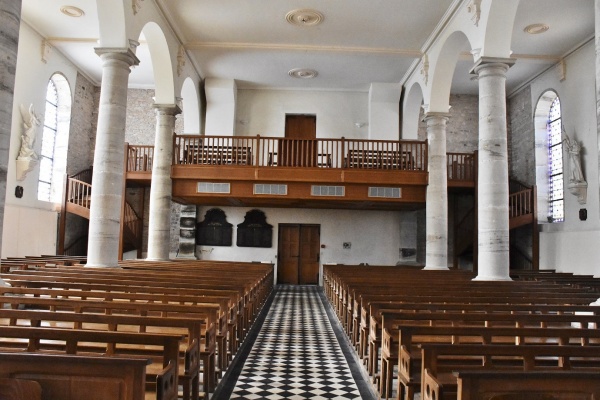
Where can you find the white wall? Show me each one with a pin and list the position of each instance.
(27, 215)
(262, 112)
(374, 235)
(573, 245)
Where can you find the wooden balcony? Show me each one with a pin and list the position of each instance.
(355, 165)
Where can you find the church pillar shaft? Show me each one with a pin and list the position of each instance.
(107, 181)
(492, 184)
(159, 225)
(436, 251)
(10, 20)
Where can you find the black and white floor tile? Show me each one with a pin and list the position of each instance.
(296, 355)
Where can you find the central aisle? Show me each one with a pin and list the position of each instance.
(296, 354)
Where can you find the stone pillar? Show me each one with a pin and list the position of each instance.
(107, 181)
(159, 225)
(436, 250)
(492, 184)
(597, 42)
(187, 233)
(10, 20)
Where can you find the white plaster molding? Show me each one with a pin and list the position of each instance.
(474, 8)
(579, 190)
(562, 69)
(46, 50)
(425, 68)
(180, 59)
(136, 5)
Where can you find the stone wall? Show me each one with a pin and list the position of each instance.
(82, 138)
(521, 137)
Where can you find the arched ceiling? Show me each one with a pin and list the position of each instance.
(357, 42)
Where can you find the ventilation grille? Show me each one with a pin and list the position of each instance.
(388, 192)
(261, 188)
(328, 191)
(213, 187)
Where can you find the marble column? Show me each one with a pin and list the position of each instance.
(436, 247)
(159, 225)
(10, 20)
(107, 181)
(187, 232)
(492, 183)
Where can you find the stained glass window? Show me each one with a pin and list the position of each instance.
(555, 163)
(48, 141)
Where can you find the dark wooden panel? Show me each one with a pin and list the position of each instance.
(310, 243)
(288, 255)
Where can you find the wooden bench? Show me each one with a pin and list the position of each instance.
(380, 159)
(411, 337)
(204, 339)
(72, 377)
(527, 385)
(74, 341)
(441, 362)
(217, 155)
(19, 389)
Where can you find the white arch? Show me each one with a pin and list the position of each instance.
(443, 63)
(411, 110)
(498, 19)
(191, 107)
(162, 66)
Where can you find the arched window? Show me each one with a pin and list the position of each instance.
(555, 164)
(55, 138)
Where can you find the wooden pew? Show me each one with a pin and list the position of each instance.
(440, 362)
(74, 341)
(411, 337)
(190, 328)
(165, 311)
(19, 389)
(72, 377)
(529, 385)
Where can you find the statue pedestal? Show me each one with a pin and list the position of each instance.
(24, 165)
(579, 189)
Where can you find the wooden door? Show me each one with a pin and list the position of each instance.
(299, 149)
(298, 254)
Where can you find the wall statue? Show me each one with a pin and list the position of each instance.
(27, 157)
(576, 182)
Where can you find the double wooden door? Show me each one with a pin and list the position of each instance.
(298, 254)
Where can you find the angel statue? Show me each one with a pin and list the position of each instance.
(574, 149)
(30, 123)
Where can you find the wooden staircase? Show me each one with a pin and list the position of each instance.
(522, 208)
(77, 200)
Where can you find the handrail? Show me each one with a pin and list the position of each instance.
(84, 175)
(520, 203)
(140, 158)
(307, 153)
(461, 166)
(79, 192)
(132, 221)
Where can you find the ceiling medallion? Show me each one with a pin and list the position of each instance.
(303, 73)
(304, 17)
(72, 11)
(534, 29)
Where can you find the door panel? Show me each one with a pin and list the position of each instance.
(310, 244)
(288, 254)
(298, 254)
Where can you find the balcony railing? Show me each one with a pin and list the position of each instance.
(139, 158)
(404, 155)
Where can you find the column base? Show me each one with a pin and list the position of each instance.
(157, 259)
(436, 269)
(3, 283)
(102, 265)
(186, 257)
(492, 278)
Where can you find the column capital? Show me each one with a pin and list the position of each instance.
(486, 62)
(436, 115)
(118, 53)
(167, 109)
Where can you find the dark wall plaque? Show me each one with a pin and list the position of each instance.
(255, 231)
(214, 230)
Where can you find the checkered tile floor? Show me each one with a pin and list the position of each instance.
(296, 354)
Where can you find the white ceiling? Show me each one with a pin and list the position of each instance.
(357, 43)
